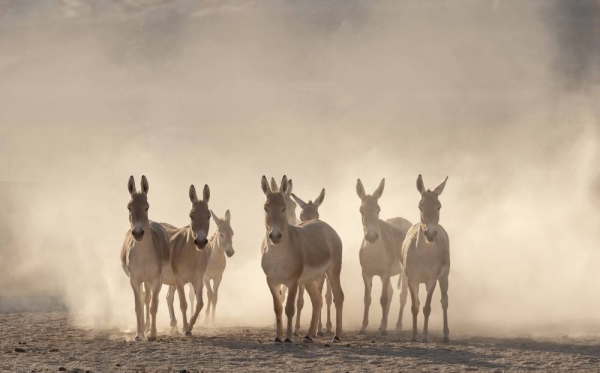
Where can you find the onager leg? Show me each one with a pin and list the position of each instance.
(182, 305)
(444, 290)
(155, 286)
(320, 284)
(170, 301)
(139, 308)
(385, 301)
(209, 298)
(368, 280)
(403, 296)
(427, 309)
(299, 306)
(216, 284)
(414, 298)
(290, 308)
(278, 308)
(147, 295)
(338, 299)
(317, 302)
(328, 300)
(192, 300)
(199, 302)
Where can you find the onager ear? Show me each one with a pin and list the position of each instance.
(420, 185)
(193, 196)
(264, 184)
(290, 187)
(145, 186)
(206, 193)
(320, 198)
(300, 202)
(131, 186)
(440, 188)
(360, 190)
(274, 187)
(284, 184)
(228, 217)
(379, 191)
(215, 217)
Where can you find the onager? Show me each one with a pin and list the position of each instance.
(219, 246)
(188, 259)
(380, 253)
(143, 255)
(293, 255)
(426, 258)
(310, 211)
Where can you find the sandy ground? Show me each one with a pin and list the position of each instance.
(44, 342)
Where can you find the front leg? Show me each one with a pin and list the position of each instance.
(316, 299)
(139, 308)
(413, 288)
(290, 308)
(216, 284)
(199, 302)
(278, 308)
(368, 280)
(155, 286)
(299, 306)
(179, 284)
(170, 301)
(209, 297)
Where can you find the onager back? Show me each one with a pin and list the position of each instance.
(143, 255)
(188, 259)
(426, 257)
(380, 253)
(293, 255)
(310, 211)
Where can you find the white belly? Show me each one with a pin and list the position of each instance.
(311, 274)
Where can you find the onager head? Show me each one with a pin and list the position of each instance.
(430, 208)
(200, 217)
(369, 210)
(225, 233)
(138, 209)
(290, 211)
(310, 210)
(275, 210)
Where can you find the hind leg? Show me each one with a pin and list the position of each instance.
(320, 284)
(170, 301)
(385, 301)
(299, 307)
(209, 298)
(444, 290)
(328, 300)
(403, 296)
(215, 298)
(338, 299)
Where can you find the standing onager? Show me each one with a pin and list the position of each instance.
(220, 244)
(310, 211)
(188, 259)
(426, 257)
(293, 255)
(380, 253)
(143, 255)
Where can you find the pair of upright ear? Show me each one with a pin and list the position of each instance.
(217, 220)
(205, 194)
(438, 190)
(360, 190)
(133, 190)
(317, 201)
(286, 186)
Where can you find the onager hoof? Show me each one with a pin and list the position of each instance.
(425, 340)
(336, 339)
(296, 334)
(137, 338)
(384, 332)
(446, 339)
(188, 333)
(362, 331)
(152, 338)
(287, 340)
(320, 334)
(277, 340)
(308, 339)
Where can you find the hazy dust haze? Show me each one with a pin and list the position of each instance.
(502, 96)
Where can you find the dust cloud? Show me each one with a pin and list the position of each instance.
(502, 96)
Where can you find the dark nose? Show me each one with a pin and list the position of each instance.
(372, 237)
(275, 236)
(200, 242)
(430, 235)
(138, 234)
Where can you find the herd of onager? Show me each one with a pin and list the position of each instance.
(297, 256)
